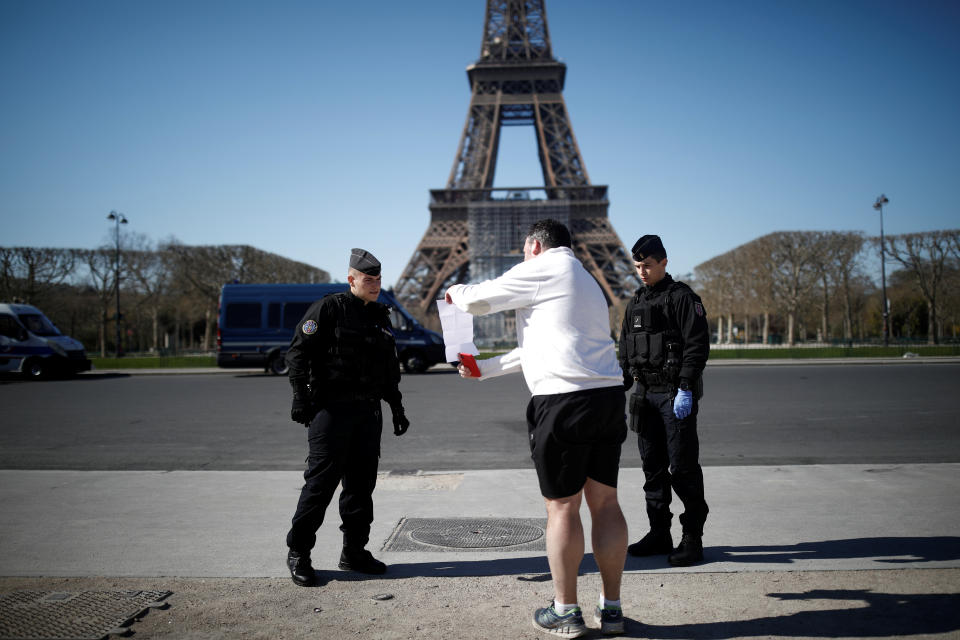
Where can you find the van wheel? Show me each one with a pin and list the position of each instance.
(414, 363)
(278, 365)
(35, 369)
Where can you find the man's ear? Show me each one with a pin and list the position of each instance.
(535, 247)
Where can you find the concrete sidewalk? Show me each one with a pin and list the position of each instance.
(790, 551)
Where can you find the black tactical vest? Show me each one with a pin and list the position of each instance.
(654, 345)
(359, 359)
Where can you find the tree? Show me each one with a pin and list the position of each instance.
(151, 274)
(925, 255)
(207, 268)
(101, 277)
(792, 257)
(27, 273)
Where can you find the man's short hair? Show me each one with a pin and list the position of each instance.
(549, 233)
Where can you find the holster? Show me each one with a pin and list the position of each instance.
(636, 408)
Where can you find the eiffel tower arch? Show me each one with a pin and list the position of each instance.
(476, 231)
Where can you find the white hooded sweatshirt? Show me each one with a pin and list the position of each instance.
(563, 327)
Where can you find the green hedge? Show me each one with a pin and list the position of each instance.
(154, 362)
(896, 351)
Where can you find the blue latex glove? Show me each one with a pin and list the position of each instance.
(683, 404)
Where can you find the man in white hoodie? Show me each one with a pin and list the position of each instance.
(575, 417)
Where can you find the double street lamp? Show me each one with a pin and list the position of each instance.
(878, 205)
(118, 219)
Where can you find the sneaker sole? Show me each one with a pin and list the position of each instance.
(609, 628)
(563, 632)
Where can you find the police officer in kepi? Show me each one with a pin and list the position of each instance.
(343, 362)
(664, 345)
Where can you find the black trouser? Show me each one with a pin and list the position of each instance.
(670, 451)
(344, 447)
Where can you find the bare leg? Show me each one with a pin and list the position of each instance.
(564, 545)
(609, 535)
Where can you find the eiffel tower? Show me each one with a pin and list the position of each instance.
(476, 231)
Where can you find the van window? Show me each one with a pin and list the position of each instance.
(398, 320)
(38, 324)
(243, 315)
(10, 327)
(273, 315)
(293, 313)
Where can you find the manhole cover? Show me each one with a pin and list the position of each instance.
(467, 534)
(81, 615)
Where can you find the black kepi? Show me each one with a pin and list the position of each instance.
(646, 246)
(364, 262)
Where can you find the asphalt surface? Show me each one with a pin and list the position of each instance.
(834, 495)
(750, 415)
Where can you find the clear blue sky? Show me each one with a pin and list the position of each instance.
(306, 128)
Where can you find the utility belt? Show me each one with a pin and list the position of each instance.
(647, 382)
(656, 381)
(354, 397)
(335, 395)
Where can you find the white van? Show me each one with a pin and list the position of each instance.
(31, 345)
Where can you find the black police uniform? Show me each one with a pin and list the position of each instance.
(342, 362)
(664, 344)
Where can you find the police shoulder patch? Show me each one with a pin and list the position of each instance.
(698, 308)
(309, 327)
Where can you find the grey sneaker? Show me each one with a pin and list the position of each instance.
(568, 625)
(610, 620)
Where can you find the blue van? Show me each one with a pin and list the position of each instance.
(255, 324)
(30, 344)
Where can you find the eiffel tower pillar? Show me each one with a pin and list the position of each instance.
(476, 231)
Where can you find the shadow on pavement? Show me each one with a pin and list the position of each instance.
(530, 569)
(885, 615)
(892, 550)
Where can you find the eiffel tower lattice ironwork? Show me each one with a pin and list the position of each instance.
(476, 231)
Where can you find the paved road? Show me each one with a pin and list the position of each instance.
(767, 415)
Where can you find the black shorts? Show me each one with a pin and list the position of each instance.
(575, 436)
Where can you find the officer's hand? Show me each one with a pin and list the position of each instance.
(683, 404)
(301, 412)
(400, 422)
(627, 381)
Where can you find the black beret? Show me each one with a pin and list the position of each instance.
(364, 262)
(646, 246)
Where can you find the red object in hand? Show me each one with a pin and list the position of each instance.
(470, 363)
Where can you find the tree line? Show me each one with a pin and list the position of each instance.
(168, 292)
(787, 286)
(821, 286)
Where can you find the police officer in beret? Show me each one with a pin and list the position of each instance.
(664, 345)
(343, 362)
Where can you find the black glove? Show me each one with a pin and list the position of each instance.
(400, 422)
(302, 410)
(627, 381)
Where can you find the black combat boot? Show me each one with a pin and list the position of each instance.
(656, 542)
(689, 551)
(360, 560)
(300, 569)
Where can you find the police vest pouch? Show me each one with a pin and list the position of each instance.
(636, 410)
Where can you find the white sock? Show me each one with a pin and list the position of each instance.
(563, 608)
(604, 603)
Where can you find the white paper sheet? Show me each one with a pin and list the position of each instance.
(457, 331)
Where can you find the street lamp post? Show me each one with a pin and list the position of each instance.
(878, 205)
(118, 219)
